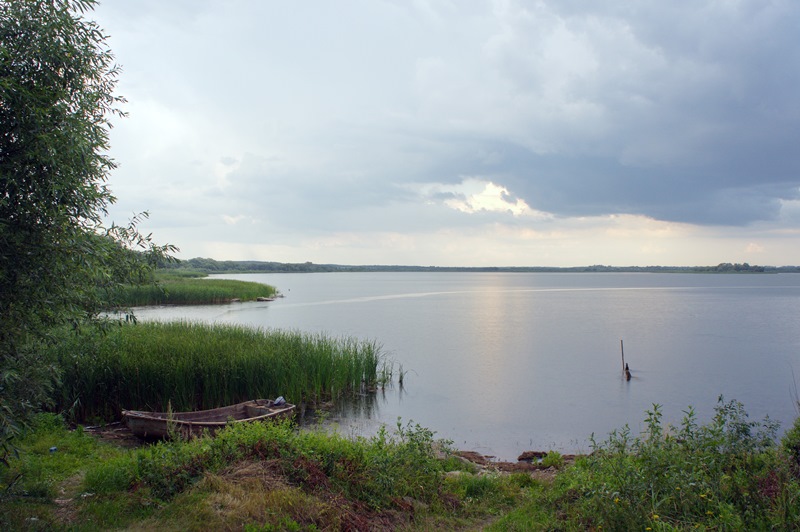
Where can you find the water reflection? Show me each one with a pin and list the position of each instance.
(359, 415)
(503, 363)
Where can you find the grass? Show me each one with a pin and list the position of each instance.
(731, 474)
(187, 288)
(193, 366)
(261, 477)
(51, 466)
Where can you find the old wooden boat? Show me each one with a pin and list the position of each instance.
(157, 425)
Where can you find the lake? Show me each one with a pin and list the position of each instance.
(501, 363)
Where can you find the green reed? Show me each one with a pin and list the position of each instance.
(174, 290)
(196, 366)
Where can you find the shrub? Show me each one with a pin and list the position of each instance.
(791, 445)
(553, 459)
(376, 471)
(724, 475)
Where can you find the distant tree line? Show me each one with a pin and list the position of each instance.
(207, 265)
(247, 266)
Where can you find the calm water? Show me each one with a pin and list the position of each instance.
(501, 363)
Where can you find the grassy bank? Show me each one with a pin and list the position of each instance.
(256, 477)
(189, 288)
(192, 366)
(728, 475)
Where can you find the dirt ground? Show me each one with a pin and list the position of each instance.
(528, 463)
(116, 434)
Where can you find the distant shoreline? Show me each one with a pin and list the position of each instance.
(210, 266)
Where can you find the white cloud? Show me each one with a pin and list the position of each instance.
(474, 195)
(233, 220)
(538, 132)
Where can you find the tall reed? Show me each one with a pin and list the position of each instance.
(190, 291)
(197, 366)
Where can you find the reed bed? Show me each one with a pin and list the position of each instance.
(174, 290)
(190, 366)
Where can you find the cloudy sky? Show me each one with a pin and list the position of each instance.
(475, 133)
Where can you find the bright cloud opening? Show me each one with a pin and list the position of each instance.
(474, 195)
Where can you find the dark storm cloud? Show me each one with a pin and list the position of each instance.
(744, 189)
(698, 107)
(681, 111)
(266, 118)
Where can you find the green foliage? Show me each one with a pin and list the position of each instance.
(285, 524)
(539, 511)
(57, 260)
(52, 453)
(790, 444)
(113, 475)
(376, 471)
(476, 486)
(27, 378)
(724, 475)
(207, 265)
(268, 476)
(553, 459)
(194, 366)
(50, 465)
(392, 458)
(166, 274)
(185, 290)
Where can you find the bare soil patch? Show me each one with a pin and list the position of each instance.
(528, 463)
(115, 433)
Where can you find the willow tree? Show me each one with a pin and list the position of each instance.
(57, 81)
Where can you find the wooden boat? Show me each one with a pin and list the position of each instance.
(157, 425)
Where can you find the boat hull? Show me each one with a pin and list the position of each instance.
(160, 425)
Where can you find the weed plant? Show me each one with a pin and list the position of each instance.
(377, 471)
(45, 461)
(727, 475)
(48, 466)
(192, 366)
(267, 476)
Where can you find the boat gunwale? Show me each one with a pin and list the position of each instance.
(174, 419)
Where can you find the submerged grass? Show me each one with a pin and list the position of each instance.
(187, 289)
(191, 366)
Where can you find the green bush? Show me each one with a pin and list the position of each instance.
(376, 471)
(553, 459)
(724, 475)
(791, 445)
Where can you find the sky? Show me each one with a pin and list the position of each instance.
(461, 133)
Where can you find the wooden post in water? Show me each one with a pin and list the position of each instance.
(625, 371)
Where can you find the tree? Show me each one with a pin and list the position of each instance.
(57, 80)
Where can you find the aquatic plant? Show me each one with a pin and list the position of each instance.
(197, 366)
(174, 289)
